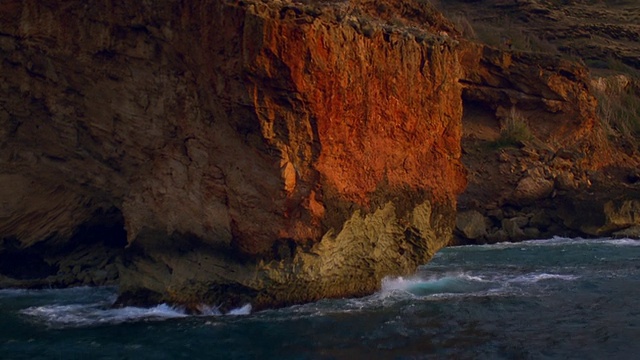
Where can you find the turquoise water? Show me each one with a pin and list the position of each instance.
(547, 299)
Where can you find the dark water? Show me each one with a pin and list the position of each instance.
(551, 299)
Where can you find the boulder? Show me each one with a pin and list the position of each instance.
(530, 189)
(497, 236)
(531, 232)
(540, 219)
(565, 180)
(471, 224)
(512, 228)
(632, 232)
(602, 214)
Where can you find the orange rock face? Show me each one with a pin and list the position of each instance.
(366, 103)
(264, 152)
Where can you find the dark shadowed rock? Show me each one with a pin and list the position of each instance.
(513, 228)
(471, 224)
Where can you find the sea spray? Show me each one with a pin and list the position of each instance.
(243, 310)
(96, 314)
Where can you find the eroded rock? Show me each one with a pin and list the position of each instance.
(530, 189)
(601, 215)
(513, 228)
(472, 224)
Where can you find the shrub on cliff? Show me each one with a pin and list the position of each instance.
(514, 130)
(619, 108)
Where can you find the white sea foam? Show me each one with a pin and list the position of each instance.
(243, 310)
(398, 283)
(436, 285)
(407, 284)
(463, 284)
(207, 310)
(535, 277)
(558, 241)
(581, 241)
(622, 242)
(96, 314)
(79, 315)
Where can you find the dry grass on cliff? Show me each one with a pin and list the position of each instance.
(514, 130)
(508, 36)
(619, 110)
(503, 34)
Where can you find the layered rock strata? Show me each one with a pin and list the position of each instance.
(244, 151)
(550, 145)
(561, 175)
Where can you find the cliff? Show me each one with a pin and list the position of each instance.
(278, 152)
(216, 152)
(551, 124)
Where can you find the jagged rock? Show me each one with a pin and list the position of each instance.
(472, 224)
(622, 213)
(570, 158)
(540, 220)
(513, 229)
(530, 189)
(498, 236)
(600, 215)
(632, 232)
(497, 214)
(522, 220)
(565, 180)
(531, 233)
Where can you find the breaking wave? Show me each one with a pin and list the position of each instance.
(558, 241)
(87, 315)
(101, 313)
(466, 284)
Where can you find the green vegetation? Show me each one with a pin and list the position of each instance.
(514, 131)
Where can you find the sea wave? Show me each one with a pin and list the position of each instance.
(96, 314)
(556, 241)
(536, 277)
(436, 285)
(243, 310)
(434, 282)
(468, 284)
(82, 315)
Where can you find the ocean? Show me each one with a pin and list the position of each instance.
(544, 299)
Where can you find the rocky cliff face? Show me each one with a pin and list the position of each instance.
(550, 145)
(220, 152)
(223, 152)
